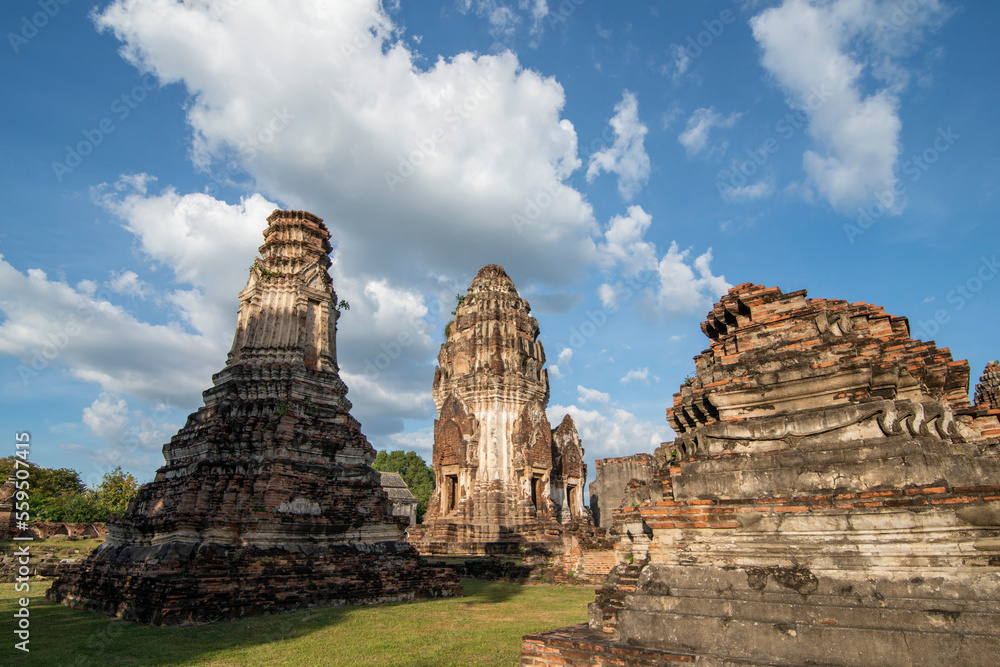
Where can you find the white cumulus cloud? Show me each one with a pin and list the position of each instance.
(129, 284)
(586, 395)
(431, 189)
(627, 156)
(673, 284)
(640, 374)
(820, 53)
(744, 193)
(107, 417)
(611, 431)
(697, 132)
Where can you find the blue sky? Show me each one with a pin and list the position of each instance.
(626, 163)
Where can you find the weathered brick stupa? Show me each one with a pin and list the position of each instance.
(505, 479)
(267, 501)
(832, 498)
(988, 389)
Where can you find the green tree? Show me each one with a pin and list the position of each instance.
(117, 489)
(46, 482)
(49, 489)
(415, 472)
(58, 494)
(82, 507)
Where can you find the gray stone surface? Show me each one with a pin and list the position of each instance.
(611, 476)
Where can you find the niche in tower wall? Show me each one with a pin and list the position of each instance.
(536, 489)
(312, 331)
(451, 492)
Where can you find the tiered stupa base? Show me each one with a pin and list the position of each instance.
(303, 554)
(490, 527)
(267, 502)
(186, 583)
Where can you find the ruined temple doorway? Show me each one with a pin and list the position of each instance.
(571, 499)
(536, 490)
(451, 491)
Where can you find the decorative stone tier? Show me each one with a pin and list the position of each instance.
(506, 481)
(830, 500)
(774, 353)
(267, 501)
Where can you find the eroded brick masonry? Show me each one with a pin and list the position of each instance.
(266, 501)
(832, 498)
(506, 480)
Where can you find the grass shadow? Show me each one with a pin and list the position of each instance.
(484, 627)
(490, 592)
(64, 636)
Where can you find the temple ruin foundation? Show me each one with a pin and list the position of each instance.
(267, 501)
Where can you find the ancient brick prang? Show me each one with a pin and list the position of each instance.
(774, 353)
(832, 498)
(267, 501)
(505, 479)
(988, 389)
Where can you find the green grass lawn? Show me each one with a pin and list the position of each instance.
(482, 628)
(61, 548)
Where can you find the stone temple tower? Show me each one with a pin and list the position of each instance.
(267, 501)
(505, 478)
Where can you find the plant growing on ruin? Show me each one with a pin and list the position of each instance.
(342, 306)
(689, 380)
(263, 271)
(459, 300)
(282, 409)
